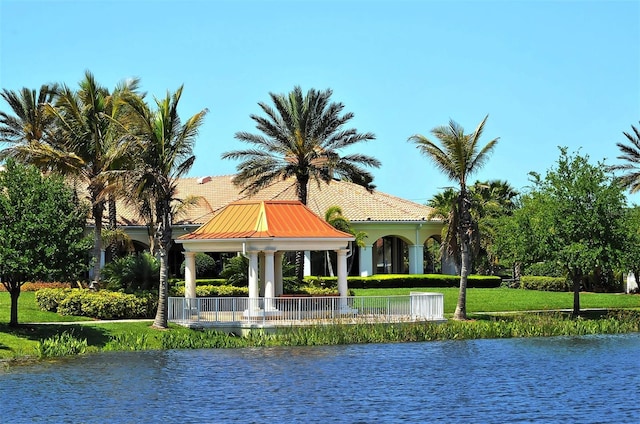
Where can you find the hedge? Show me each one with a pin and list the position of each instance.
(213, 291)
(380, 281)
(103, 304)
(554, 284)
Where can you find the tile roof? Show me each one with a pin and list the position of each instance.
(357, 203)
(264, 219)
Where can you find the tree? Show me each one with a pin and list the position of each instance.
(337, 220)
(458, 157)
(29, 122)
(631, 253)
(301, 138)
(631, 156)
(165, 154)
(41, 231)
(576, 218)
(83, 144)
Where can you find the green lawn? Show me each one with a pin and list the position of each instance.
(28, 310)
(503, 299)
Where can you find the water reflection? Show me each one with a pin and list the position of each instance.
(574, 379)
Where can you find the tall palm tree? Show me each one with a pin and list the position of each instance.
(29, 122)
(89, 138)
(458, 157)
(631, 156)
(302, 139)
(165, 154)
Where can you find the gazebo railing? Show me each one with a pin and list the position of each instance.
(290, 310)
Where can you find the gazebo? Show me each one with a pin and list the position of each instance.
(262, 231)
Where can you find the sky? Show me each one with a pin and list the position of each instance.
(548, 73)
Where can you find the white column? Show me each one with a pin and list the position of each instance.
(366, 261)
(269, 275)
(343, 287)
(307, 263)
(261, 278)
(277, 258)
(103, 254)
(253, 280)
(190, 275)
(416, 261)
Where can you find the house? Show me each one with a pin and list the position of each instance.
(401, 235)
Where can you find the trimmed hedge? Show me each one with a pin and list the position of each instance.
(386, 281)
(553, 284)
(213, 291)
(100, 305)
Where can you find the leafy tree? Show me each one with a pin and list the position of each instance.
(84, 141)
(41, 231)
(301, 138)
(458, 157)
(574, 217)
(631, 253)
(165, 154)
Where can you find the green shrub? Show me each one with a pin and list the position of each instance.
(64, 344)
(214, 291)
(132, 272)
(554, 284)
(101, 305)
(380, 281)
(48, 299)
(205, 266)
(236, 270)
(545, 269)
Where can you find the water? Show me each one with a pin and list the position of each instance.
(592, 379)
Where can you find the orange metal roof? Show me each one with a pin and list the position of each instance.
(263, 219)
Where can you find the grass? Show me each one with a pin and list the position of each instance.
(504, 299)
(24, 341)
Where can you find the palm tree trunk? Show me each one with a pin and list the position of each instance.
(464, 234)
(98, 208)
(301, 188)
(113, 224)
(163, 236)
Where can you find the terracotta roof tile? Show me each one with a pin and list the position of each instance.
(357, 203)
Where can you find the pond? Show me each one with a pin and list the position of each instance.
(591, 379)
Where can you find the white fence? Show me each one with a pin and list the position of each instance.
(288, 310)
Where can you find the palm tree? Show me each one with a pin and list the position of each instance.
(165, 155)
(301, 138)
(631, 155)
(334, 217)
(458, 157)
(30, 123)
(89, 141)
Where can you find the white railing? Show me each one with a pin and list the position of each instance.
(287, 310)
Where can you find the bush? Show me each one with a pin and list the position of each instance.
(214, 291)
(410, 280)
(205, 266)
(545, 269)
(554, 284)
(236, 270)
(64, 344)
(132, 272)
(100, 305)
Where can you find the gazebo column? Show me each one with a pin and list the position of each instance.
(366, 260)
(277, 258)
(307, 263)
(269, 276)
(253, 280)
(190, 275)
(343, 287)
(261, 274)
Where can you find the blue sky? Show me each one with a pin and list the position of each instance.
(548, 73)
